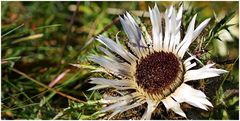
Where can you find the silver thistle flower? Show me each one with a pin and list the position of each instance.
(153, 72)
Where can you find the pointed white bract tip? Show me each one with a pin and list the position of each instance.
(225, 71)
(204, 23)
(221, 71)
(90, 89)
(207, 20)
(116, 36)
(182, 114)
(156, 9)
(208, 65)
(192, 23)
(92, 81)
(210, 104)
(100, 38)
(121, 19)
(181, 7)
(149, 9)
(75, 65)
(155, 6)
(98, 87)
(170, 11)
(195, 16)
(128, 15)
(179, 14)
(124, 16)
(205, 108)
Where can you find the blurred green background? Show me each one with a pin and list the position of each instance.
(40, 41)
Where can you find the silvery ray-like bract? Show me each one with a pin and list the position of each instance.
(153, 69)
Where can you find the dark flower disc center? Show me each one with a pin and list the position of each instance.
(157, 71)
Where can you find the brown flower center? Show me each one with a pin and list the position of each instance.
(159, 73)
